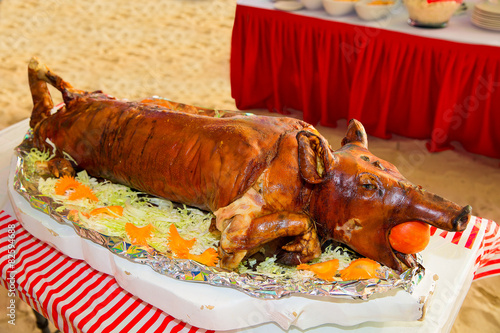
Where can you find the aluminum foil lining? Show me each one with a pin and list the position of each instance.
(255, 285)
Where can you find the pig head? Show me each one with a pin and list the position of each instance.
(310, 194)
(357, 198)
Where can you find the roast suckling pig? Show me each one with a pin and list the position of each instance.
(264, 178)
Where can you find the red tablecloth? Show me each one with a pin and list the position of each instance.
(392, 82)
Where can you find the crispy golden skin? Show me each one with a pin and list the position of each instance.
(183, 157)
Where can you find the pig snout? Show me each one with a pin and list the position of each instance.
(435, 210)
(460, 222)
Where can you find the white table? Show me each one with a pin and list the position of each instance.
(460, 29)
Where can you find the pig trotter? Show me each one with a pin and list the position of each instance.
(230, 260)
(60, 167)
(302, 249)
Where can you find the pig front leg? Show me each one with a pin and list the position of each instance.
(242, 235)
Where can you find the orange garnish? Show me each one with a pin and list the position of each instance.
(74, 215)
(178, 245)
(139, 235)
(180, 248)
(66, 183)
(324, 270)
(82, 191)
(410, 237)
(360, 269)
(209, 257)
(113, 211)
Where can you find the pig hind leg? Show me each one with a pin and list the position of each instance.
(38, 76)
(42, 101)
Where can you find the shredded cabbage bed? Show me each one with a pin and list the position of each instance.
(141, 209)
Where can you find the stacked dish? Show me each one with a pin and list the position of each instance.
(486, 15)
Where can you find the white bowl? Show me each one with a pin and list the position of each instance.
(312, 4)
(369, 10)
(288, 6)
(339, 7)
(435, 14)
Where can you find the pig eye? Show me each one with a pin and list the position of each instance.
(369, 187)
(368, 182)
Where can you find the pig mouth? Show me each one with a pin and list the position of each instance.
(404, 240)
(455, 224)
(405, 260)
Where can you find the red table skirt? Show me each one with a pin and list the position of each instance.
(394, 83)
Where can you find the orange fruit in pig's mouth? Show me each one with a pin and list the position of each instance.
(410, 237)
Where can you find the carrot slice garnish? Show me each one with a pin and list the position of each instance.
(360, 269)
(324, 270)
(113, 211)
(178, 245)
(82, 191)
(180, 248)
(74, 215)
(209, 257)
(66, 183)
(139, 235)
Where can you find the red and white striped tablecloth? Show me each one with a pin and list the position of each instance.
(71, 294)
(77, 298)
(488, 256)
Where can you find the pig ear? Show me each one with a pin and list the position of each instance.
(356, 134)
(315, 157)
